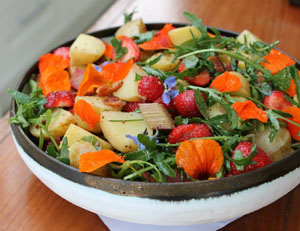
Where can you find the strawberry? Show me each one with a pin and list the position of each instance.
(76, 78)
(188, 131)
(260, 160)
(62, 51)
(133, 51)
(151, 88)
(171, 107)
(131, 106)
(276, 101)
(186, 105)
(59, 99)
(201, 80)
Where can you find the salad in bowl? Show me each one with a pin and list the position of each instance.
(175, 105)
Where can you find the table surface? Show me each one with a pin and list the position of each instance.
(27, 204)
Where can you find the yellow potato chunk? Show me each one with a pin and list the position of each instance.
(129, 90)
(279, 147)
(77, 149)
(59, 123)
(97, 103)
(250, 38)
(132, 28)
(165, 63)
(86, 49)
(75, 133)
(180, 35)
(116, 125)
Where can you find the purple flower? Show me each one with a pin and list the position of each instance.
(169, 92)
(99, 68)
(138, 143)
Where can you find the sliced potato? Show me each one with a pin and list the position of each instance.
(132, 28)
(215, 110)
(60, 121)
(129, 90)
(245, 89)
(183, 34)
(115, 132)
(75, 133)
(77, 149)
(279, 148)
(86, 49)
(165, 63)
(250, 38)
(97, 103)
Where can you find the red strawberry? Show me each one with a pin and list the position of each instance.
(186, 105)
(131, 106)
(171, 107)
(76, 78)
(62, 51)
(151, 88)
(188, 131)
(59, 99)
(133, 51)
(276, 101)
(201, 80)
(261, 159)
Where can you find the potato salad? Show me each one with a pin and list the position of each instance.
(173, 105)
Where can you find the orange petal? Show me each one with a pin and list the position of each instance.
(51, 60)
(276, 61)
(114, 72)
(248, 110)
(200, 157)
(92, 161)
(292, 89)
(109, 51)
(293, 129)
(91, 78)
(160, 41)
(226, 82)
(53, 79)
(86, 112)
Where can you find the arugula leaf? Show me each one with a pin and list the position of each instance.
(274, 125)
(64, 153)
(152, 62)
(158, 73)
(200, 102)
(52, 151)
(179, 120)
(128, 16)
(143, 37)
(295, 75)
(190, 61)
(93, 140)
(282, 79)
(143, 155)
(148, 142)
(163, 166)
(197, 23)
(266, 89)
(138, 77)
(120, 51)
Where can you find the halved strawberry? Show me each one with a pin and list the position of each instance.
(131, 106)
(151, 88)
(201, 80)
(76, 78)
(133, 51)
(62, 51)
(186, 105)
(260, 160)
(188, 131)
(59, 99)
(276, 101)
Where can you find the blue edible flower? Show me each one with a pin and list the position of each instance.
(99, 68)
(169, 92)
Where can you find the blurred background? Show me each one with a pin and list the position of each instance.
(32, 27)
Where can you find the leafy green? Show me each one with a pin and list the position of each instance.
(143, 37)
(128, 16)
(93, 140)
(64, 153)
(197, 23)
(200, 102)
(162, 165)
(190, 61)
(138, 77)
(120, 51)
(282, 79)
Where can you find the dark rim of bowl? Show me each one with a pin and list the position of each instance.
(161, 191)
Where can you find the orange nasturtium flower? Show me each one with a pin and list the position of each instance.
(293, 129)
(92, 161)
(226, 82)
(248, 110)
(292, 89)
(51, 60)
(160, 40)
(54, 79)
(276, 61)
(86, 112)
(200, 157)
